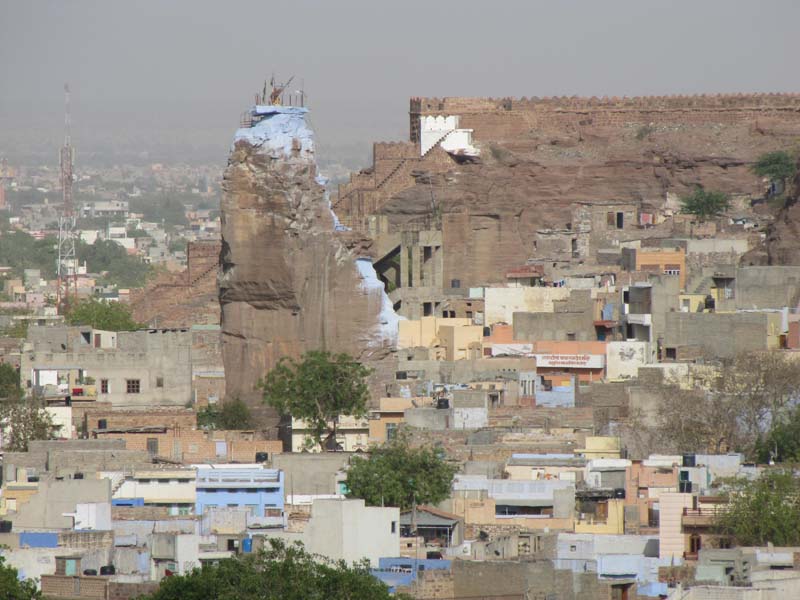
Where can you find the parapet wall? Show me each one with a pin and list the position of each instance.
(485, 114)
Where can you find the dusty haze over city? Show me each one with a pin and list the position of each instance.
(171, 78)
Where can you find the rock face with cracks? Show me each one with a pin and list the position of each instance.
(290, 277)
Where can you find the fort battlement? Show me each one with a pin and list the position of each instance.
(699, 101)
(496, 118)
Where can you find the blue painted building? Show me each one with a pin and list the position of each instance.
(245, 486)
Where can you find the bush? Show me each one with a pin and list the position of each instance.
(110, 316)
(229, 415)
(705, 204)
(777, 166)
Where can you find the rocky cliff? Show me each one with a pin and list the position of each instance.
(539, 157)
(291, 279)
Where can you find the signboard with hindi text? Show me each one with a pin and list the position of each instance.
(571, 361)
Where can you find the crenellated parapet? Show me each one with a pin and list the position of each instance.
(499, 117)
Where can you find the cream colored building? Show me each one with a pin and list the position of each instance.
(423, 333)
(671, 539)
(175, 488)
(500, 303)
(352, 435)
(600, 447)
(455, 339)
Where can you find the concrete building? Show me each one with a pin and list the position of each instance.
(172, 488)
(129, 368)
(349, 530)
(721, 335)
(254, 487)
(390, 413)
(352, 434)
(666, 261)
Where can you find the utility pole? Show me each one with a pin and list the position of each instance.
(66, 265)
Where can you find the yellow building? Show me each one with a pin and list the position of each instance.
(384, 420)
(692, 302)
(600, 447)
(461, 342)
(611, 521)
(458, 338)
(424, 332)
(16, 493)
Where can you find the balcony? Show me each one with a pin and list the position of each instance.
(701, 517)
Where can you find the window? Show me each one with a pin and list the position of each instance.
(104, 386)
(132, 386)
(394, 526)
(159, 382)
(620, 220)
(152, 445)
(391, 431)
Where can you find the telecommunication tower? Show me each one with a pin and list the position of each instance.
(67, 261)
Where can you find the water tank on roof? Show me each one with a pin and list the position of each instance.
(107, 570)
(262, 457)
(90, 572)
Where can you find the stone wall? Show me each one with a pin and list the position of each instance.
(182, 299)
(498, 118)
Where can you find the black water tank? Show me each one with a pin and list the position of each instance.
(107, 570)
(78, 476)
(90, 571)
(5, 526)
(262, 457)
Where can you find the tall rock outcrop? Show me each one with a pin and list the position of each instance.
(291, 278)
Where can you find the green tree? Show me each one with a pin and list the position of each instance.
(398, 475)
(318, 389)
(111, 316)
(782, 443)
(705, 204)
(777, 166)
(11, 588)
(177, 244)
(137, 233)
(233, 414)
(9, 381)
(112, 260)
(281, 572)
(762, 511)
(23, 420)
(22, 251)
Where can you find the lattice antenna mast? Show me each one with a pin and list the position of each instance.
(67, 262)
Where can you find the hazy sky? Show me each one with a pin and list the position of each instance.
(171, 73)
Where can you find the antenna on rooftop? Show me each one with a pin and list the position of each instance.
(66, 265)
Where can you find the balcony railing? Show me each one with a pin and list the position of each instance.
(701, 517)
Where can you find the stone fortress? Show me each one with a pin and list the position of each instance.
(482, 187)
